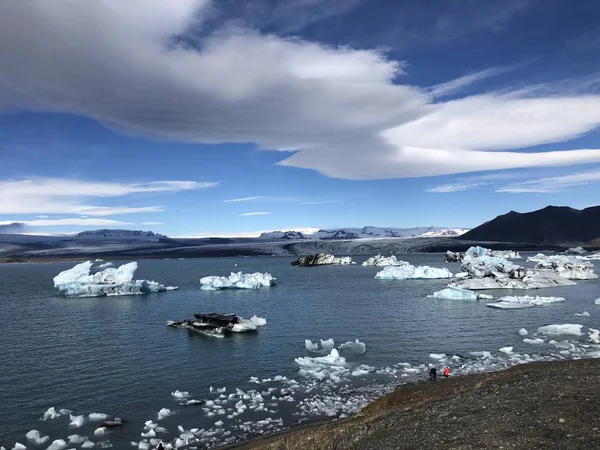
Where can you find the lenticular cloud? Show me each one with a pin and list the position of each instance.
(342, 110)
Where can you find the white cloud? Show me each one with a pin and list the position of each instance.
(244, 199)
(322, 202)
(454, 86)
(62, 196)
(246, 234)
(552, 184)
(341, 108)
(258, 213)
(455, 187)
(152, 223)
(68, 222)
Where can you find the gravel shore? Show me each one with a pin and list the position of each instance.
(545, 405)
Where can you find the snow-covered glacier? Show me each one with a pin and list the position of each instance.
(80, 281)
(238, 280)
(383, 261)
(408, 271)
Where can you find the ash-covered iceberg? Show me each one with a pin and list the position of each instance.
(527, 301)
(576, 251)
(383, 261)
(238, 280)
(322, 259)
(476, 252)
(408, 271)
(489, 272)
(569, 267)
(82, 281)
(218, 324)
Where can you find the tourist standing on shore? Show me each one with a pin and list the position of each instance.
(446, 372)
(433, 374)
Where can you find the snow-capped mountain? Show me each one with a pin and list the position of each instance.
(366, 233)
(137, 235)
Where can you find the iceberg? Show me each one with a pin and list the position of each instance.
(326, 346)
(35, 437)
(322, 259)
(583, 314)
(80, 282)
(353, 348)
(51, 413)
(512, 302)
(381, 261)
(58, 444)
(566, 329)
(594, 335)
(576, 251)
(238, 280)
(534, 341)
(452, 293)
(163, 413)
(570, 267)
(408, 271)
(96, 417)
(76, 421)
(333, 359)
(523, 332)
(217, 324)
(477, 251)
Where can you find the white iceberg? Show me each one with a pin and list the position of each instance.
(523, 332)
(76, 439)
(594, 335)
(76, 421)
(51, 413)
(163, 413)
(408, 271)
(513, 302)
(566, 329)
(322, 259)
(58, 444)
(382, 261)
(178, 395)
(326, 346)
(570, 267)
(238, 280)
(96, 417)
(583, 314)
(453, 293)
(35, 437)
(80, 282)
(333, 359)
(576, 251)
(535, 341)
(437, 356)
(353, 348)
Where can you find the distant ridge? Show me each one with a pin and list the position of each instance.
(365, 233)
(122, 235)
(553, 225)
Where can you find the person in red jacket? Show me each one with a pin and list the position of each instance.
(446, 372)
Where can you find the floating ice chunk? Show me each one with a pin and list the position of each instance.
(180, 394)
(437, 356)
(566, 329)
(105, 265)
(100, 431)
(594, 335)
(310, 346)
(333, 359)
(452, 293)
(507, 350)
(597, 301)
(523, 332)
(382, 261)
(51, 413)
(76, 439)
(527, 301)
(484, 355)
(408, 271)
(572, 268)
(258, 321)
(583, 314)
(148, 434)
(219, 423)
(353, 348)
(143, 446)
(164, 412)
(96, 417)
(326, 346)
(19, 446)
(79, 282)
(149, 425)
(485, 297)
(533, 341)
(238, 280)
(88, 444)
(76, 421)
(322, 259)
(58, 444)
(34, 436)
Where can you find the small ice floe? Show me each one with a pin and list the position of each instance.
(507, 350)
(79, 281)
(522, 332)
(76, 421)
(533, 341)
(100, 431)
(566, 329)
(58, 444)
(322, 259)
(597, 301)
(238, 280)
(97, 417)
(594, 335)
(35, 437)
(437, 356)
(527, 301)
(76, 439)
(383, 261)
(51, 413)
(18, 446)
(408, 271)
(453, 293)
(333, 359)
(353, 348)
(326, 346)
(583, 314)
(217, 324)
(88, 444)
(180, 394)
(164, 412)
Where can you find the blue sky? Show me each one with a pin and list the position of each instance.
(196, 118)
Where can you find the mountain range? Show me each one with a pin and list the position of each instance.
(365, 233)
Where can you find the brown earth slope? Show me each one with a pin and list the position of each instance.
(547, 405)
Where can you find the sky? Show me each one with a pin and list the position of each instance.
(221, 118)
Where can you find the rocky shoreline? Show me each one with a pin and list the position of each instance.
(540, 405)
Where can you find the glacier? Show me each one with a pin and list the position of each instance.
(238, 280)
(79, 281)
(408, 271)
(382, 261)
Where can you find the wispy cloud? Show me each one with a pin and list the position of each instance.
(258, 213)
(69, 222)
(65, 196)
(152, 223)
(552, 184)
(243, 199)
(453, 86)
(321, 202)
(456, 187)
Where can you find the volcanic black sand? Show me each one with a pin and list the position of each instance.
(542, 405)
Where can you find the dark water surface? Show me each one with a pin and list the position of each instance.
(115, 355)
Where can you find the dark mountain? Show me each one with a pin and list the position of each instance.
(558, 225)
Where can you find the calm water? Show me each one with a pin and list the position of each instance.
(116, 356)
